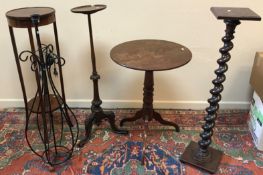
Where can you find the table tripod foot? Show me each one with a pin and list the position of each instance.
(88, 127)
(96, 118)
(111, 117)
(159, 118)
(136, 117)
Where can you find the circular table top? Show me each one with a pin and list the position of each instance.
(21, 17)
(88, 9)
(150, 55)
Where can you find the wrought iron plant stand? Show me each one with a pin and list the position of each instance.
(200, 154)
(51, 128)
(97, 114)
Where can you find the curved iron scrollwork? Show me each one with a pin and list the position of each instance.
(52, 136)
(49, 56)
(48, 112)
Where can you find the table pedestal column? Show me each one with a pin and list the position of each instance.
(147, 112)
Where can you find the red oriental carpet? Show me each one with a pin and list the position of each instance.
(110, 154)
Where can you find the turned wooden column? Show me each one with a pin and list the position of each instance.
(97, 113)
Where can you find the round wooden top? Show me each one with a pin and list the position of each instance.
(88, 9)
(151, 55)
(21, 18)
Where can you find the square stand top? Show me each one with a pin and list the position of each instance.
(234, 13)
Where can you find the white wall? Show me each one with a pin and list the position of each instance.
(187, 22)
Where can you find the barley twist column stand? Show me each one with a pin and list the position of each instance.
(97, 114)
(56, 124)
(200, 154)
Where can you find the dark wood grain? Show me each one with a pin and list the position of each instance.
(151, 55)
(235, 13)
(21, 18)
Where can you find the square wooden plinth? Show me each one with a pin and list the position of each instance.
(210, 165)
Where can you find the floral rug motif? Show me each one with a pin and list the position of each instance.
(110, 154)
(128, 158)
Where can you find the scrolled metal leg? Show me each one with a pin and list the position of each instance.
(46, 101)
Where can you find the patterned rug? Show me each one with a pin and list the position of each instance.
(110, 154)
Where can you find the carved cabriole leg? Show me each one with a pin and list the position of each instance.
(137, 116)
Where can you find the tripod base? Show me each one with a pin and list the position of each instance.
(152, 115)
(210, 164)
(147, 112)
(96, 118)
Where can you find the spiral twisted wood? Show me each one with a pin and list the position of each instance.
(215, 92)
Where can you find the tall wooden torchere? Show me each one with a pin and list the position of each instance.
(97, 114)
(47, 112)
(200, 154)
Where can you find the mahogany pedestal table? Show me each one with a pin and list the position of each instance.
(150, 56)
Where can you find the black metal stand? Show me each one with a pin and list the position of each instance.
(201, 155)
(97, 114)
(56, 124)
